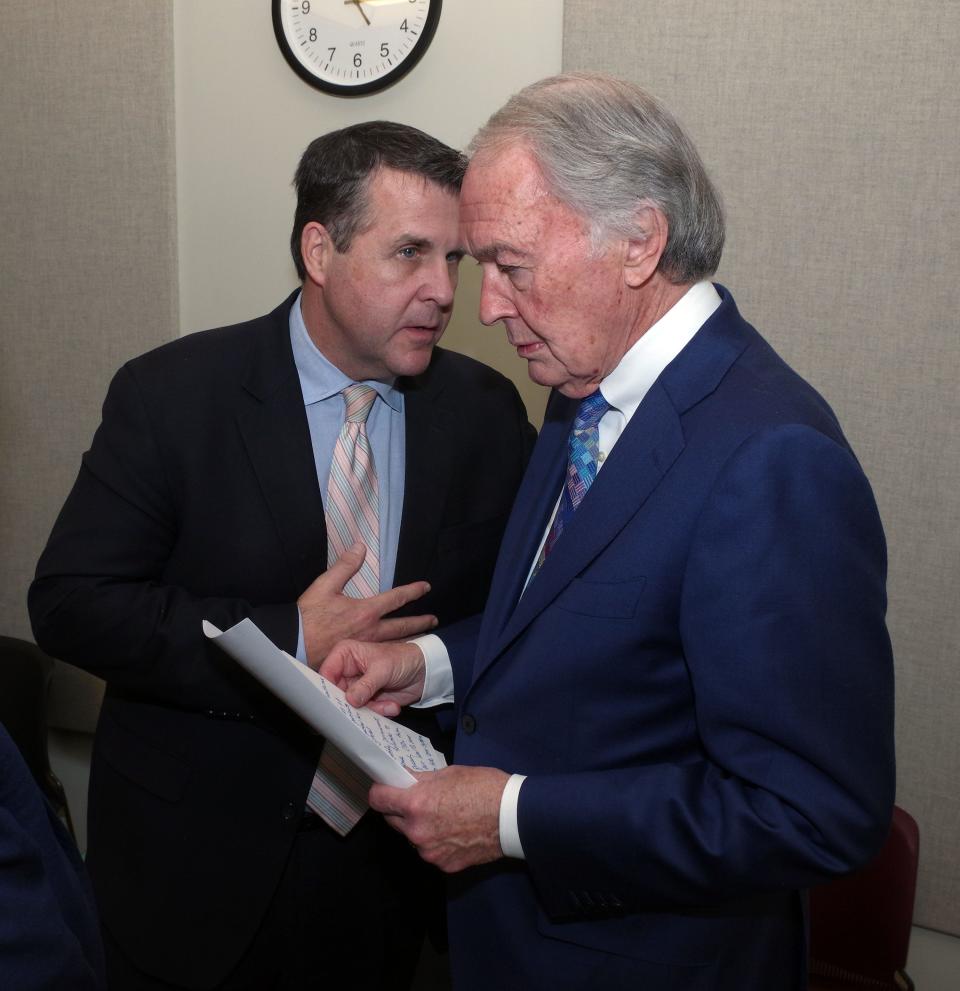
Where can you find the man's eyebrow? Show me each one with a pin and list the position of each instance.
(413, 240)
(491, 252)
(422, 243)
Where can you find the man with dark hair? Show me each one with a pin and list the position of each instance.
(677, 711)
(291, 469)
(331, 179)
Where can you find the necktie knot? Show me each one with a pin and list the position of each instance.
(590, 412)
(359, 399)
(583, 452)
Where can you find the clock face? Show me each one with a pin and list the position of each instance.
(351, 47)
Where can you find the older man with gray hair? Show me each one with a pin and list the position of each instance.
(676, 712)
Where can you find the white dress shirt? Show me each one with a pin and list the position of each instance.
(624, 389)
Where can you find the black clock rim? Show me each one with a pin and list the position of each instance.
(417, 52)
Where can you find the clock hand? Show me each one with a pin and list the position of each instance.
(363, 13)
(374, 3)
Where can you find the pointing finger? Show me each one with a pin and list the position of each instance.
(403, 627)
(394, 598)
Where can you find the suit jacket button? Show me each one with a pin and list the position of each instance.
(468, 723)
(289, 812)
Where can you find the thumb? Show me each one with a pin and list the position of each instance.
(387, 799)
(347, 565)
(363, 689)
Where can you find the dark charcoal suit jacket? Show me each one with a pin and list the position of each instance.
(199, 500)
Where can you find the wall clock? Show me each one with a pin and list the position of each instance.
(352, 47)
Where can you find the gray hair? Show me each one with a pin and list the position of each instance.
(606, 147)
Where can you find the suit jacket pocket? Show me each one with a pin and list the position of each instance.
(673, 939)
(612, 600)
(137, 759)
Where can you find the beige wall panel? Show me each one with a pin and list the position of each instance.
(833, 131)
(87, 255)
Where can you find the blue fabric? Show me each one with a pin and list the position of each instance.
(698, 685)
(583, 453)
(49, 935)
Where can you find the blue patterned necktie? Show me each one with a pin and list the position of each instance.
(583, 454)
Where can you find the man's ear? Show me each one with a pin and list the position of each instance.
(316, 247)
(643, 253)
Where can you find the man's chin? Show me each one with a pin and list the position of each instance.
(552, 378)
(544, 375)
(412, 362)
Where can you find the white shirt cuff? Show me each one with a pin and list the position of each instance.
(509, 828)
(438, 672)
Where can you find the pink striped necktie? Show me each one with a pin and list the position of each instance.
(338, 793)
(353, 501)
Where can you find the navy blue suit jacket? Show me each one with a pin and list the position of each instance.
(49, 937)
(698, 683)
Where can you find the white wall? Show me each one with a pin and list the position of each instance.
(243, 118)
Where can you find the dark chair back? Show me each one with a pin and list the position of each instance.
(860, 924)
(25, 673)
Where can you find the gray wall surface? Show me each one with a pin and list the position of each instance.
(833, 131)
(145, 174)
(87, 255)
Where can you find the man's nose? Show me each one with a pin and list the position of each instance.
(494, 303)
(441, 284)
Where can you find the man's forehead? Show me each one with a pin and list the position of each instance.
(500, 197)
(394, 186)
(405, 205)
(496, 228)
(506, 173)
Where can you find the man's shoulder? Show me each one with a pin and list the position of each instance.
(450, 371)
(221, 351)
(731, 381)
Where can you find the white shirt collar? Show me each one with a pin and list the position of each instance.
(625, 387)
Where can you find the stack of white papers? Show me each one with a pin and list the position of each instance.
(382, 748)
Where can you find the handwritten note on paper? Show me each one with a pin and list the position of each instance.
(413, 751)
(385, 750)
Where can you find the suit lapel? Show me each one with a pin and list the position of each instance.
(427, 474)
(535, 499)
(644, 453)
(273, 423)
(648, 447)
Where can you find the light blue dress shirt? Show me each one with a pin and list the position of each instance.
(321, 384)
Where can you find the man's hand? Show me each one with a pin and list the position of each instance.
(330, 616)
(384, 677)
(451, 816)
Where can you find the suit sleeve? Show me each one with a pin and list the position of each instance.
(101, 598)
(782, 627)
(48, 926)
